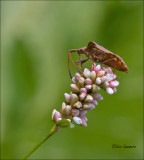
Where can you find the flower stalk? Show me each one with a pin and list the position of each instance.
(52, 131)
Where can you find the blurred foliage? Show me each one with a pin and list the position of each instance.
(35, 39)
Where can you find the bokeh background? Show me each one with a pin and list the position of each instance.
(35, 39)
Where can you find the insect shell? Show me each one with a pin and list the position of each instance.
(99, 54)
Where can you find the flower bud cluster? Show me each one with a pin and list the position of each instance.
(84, 94)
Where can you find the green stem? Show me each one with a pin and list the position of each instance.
(53, 130)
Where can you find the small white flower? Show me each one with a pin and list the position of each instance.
(100, 73)
(98, 80)
(86, 73)
(88, 87)
(77, 120)
(93, 75)
(109, 90)
(110, 77)
(89, 98)
(59, 119)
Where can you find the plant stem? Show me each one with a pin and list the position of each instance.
(52, 131)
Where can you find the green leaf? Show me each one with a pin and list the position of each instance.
(63, 123)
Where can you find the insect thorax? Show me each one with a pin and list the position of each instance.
(95, 54)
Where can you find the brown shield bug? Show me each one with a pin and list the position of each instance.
(98, 54)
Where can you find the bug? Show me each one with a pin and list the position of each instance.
(99, 54)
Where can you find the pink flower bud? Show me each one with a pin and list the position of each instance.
(82, 113)
(95, 102)
(84, 124)
(68, 120)
(74, 79)
(77, 76)
(53, 113)
(74, 99)
(78, 104)
(81, 81)
(66, 109)
(83, 90)
(74, 88)
(109, 90)
(82, 96)
(75, 112)
(95, 88)
(67, 97)
(92, 106)
(88, 106)
(108, 70)
(113, 83)
(97, 96)
(114, 90)
(103, 78)
(56, 116)
(105, 84)
(63, 107)
(84, 118)
(98, 80)
(97, 68)
(100, 73)
(89, 98)
(88, 81)
(88, 87)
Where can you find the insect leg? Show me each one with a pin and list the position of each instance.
(69, 56)
(92, 61)
(82, 60)
(115, 73)
(79, 59)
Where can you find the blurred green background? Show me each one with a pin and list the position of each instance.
(35, 39)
